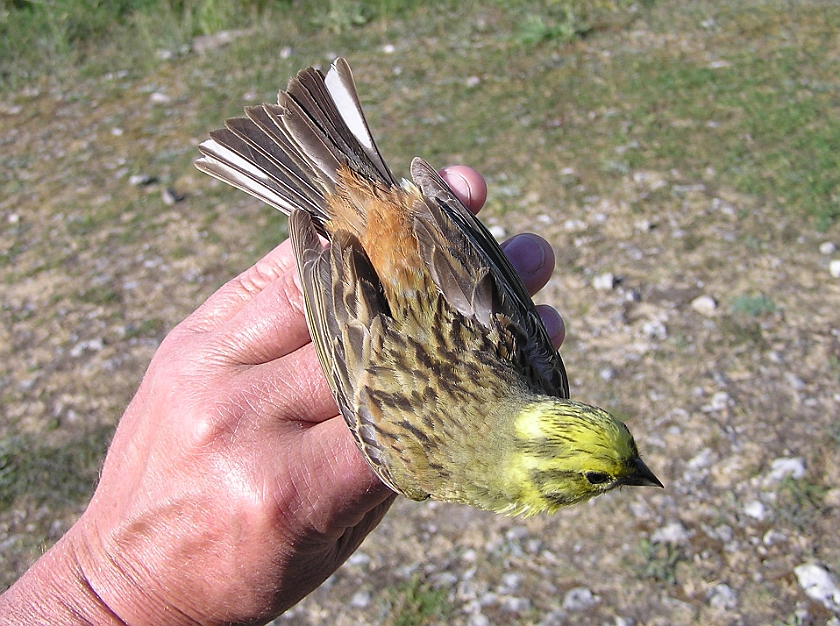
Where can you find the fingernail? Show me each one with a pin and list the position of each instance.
(459, 185)
(526, 254)
(554, 324)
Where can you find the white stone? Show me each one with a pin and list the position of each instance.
(578, 599)
(360, 599)
(556, 617)
(755, 510)
(704, 304)
(137, 180)
(517, 533)
(818, 585)
(772, 537)
(94, 345)
(158, 97)
(515, 605)
(720, 400)
(702, 459)
(722, 597)
(828, 247)
(834, 268)
(604, 282)
(478, 619)
(670, 533)
(783, 467)
(655, 329)
(573, 225)
(497, 231)
(358, 559)
(510, 583)
(607, 373)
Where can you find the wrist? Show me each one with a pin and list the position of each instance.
(56, 591)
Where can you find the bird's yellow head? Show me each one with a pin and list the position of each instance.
(568, 452)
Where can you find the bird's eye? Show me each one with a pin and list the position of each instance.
(597, 478)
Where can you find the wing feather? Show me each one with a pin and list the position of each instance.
(468, 256)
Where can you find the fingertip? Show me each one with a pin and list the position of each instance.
(554, 324)
(468, 185)
(532, 257)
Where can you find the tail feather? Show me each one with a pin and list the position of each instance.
(288, 155)
(339, 82)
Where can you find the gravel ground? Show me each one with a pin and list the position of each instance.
(705, 318)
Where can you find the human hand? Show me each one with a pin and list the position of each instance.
(232, 487)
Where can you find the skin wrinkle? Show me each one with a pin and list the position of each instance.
(277, 331)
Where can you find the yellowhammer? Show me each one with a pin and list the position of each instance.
(431, 344)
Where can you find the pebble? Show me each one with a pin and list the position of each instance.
(360, 599)
(722, 597)
(94, 345)
(755, 510)
(579, 599)
(834, 268)
(671, 533)
(170, 196)
(604, 282)
(497, 231)
(720, 400)
(772, 537)
(358, 559)
(517, 533)
(701, 460)
(140, 180)
(158, 97)
(554, 618)
(783, 467)
(478, 619)
(607, 373)
(705, 305)
(827, 247)
(655, 329)
(510, 583)
(573, 225)
(515, 605)
(818, 585)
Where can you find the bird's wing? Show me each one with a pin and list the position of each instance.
(346, 314)
(476, 278)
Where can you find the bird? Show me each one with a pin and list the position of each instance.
(430, 343)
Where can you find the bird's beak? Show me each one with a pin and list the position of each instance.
(641, 477)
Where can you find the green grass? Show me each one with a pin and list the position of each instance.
(800, 502)
(417, 603)
(753, 305)
(659, 561)
(63, 475)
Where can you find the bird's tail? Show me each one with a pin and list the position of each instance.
(288, 155)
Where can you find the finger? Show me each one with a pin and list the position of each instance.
(235, 294)
(554, 324)
(532, 257)
(467, 184)
(269, 326)
(287, 390)
(345, 487)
